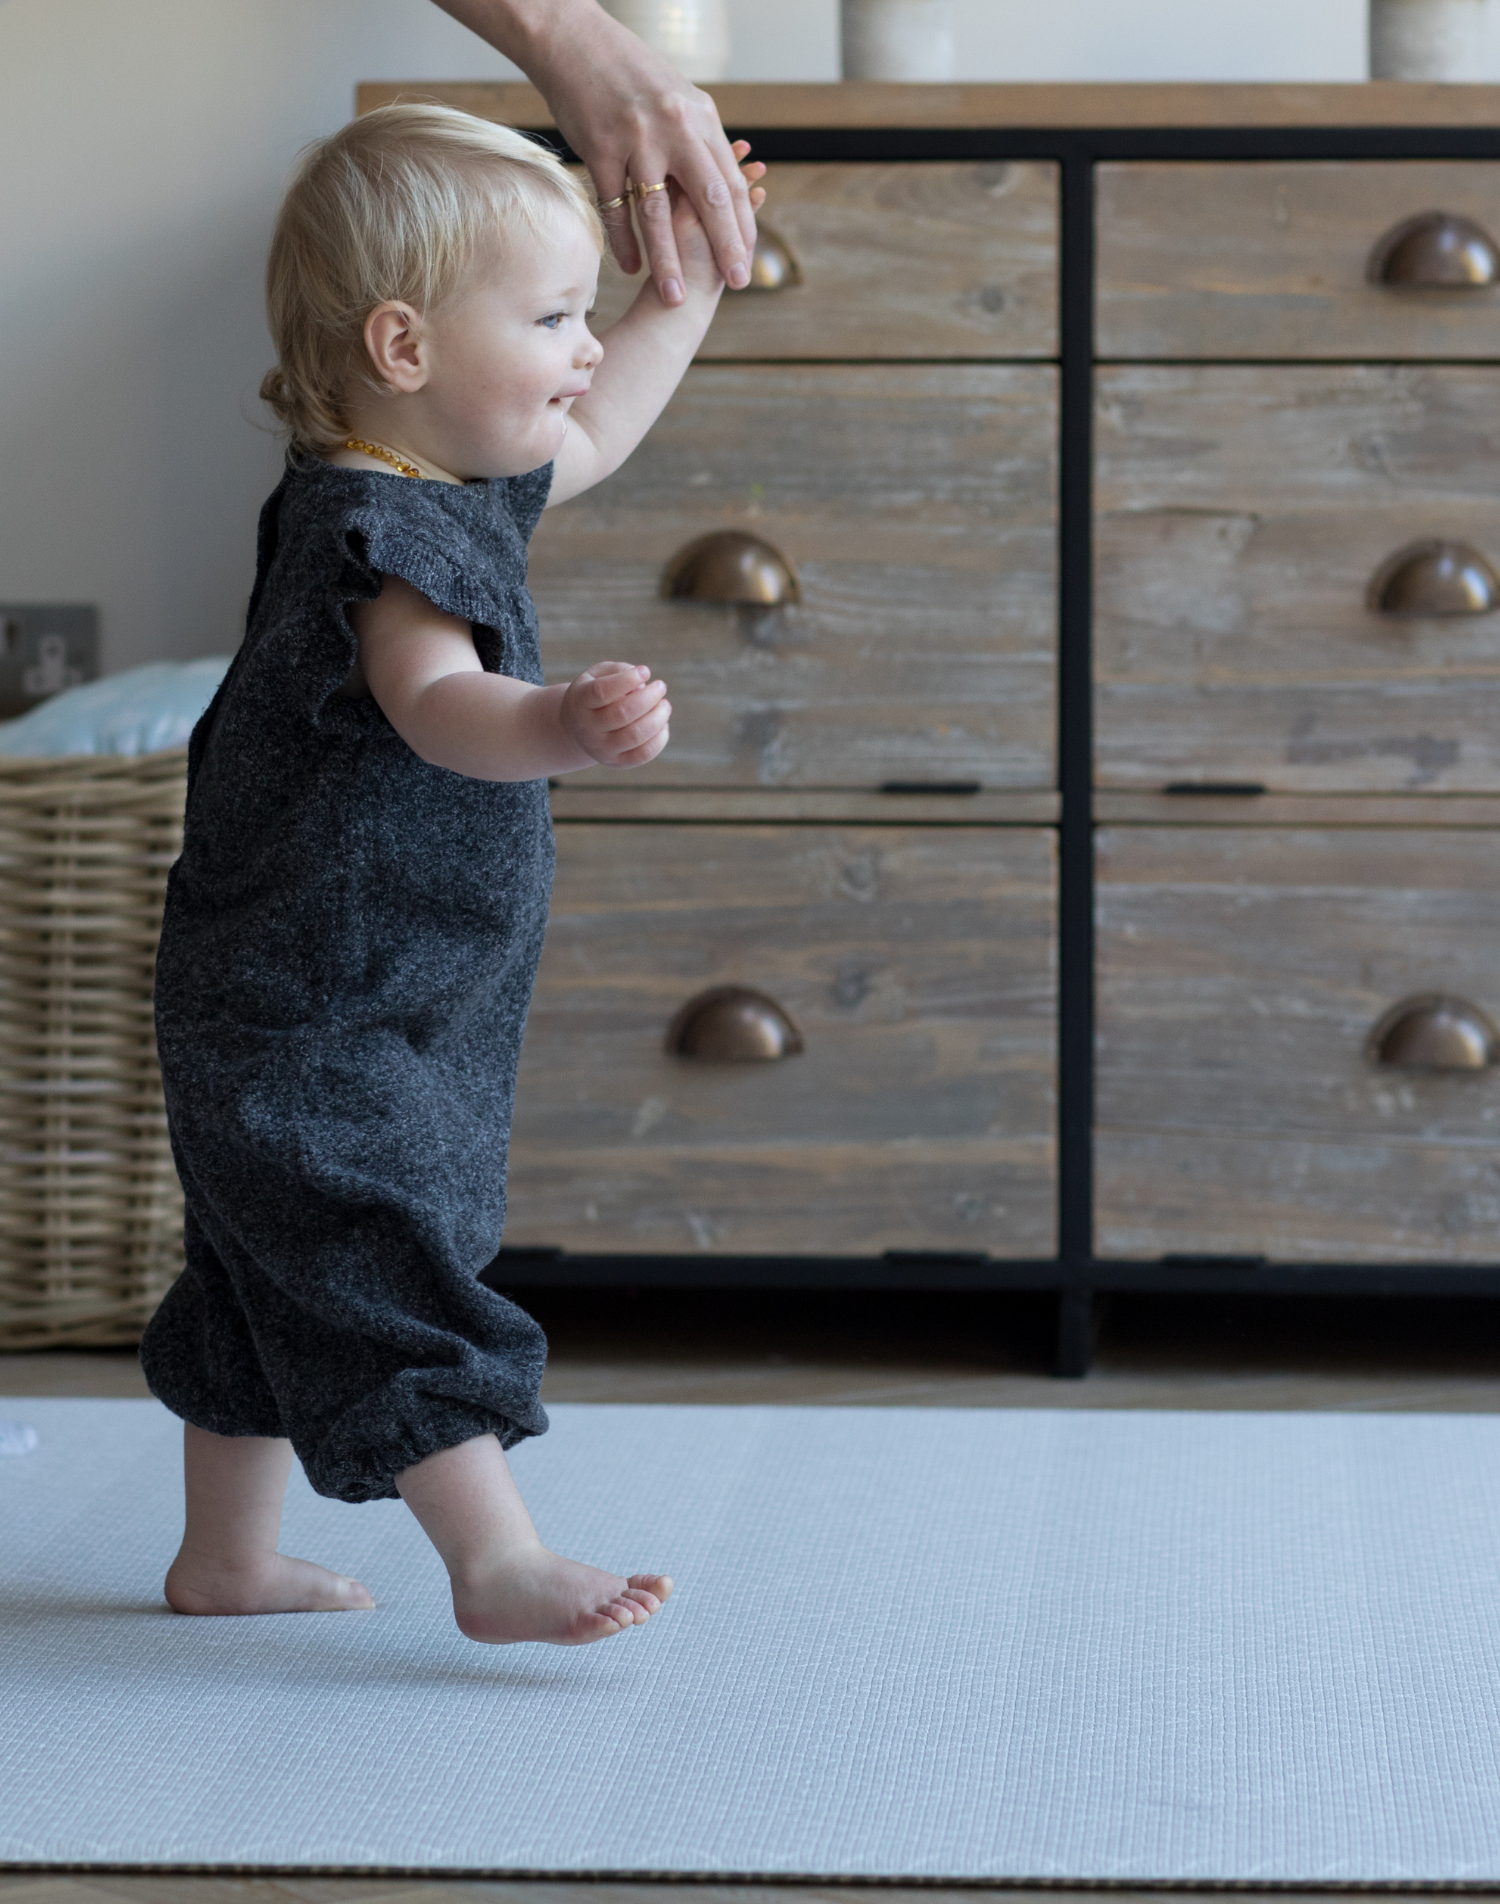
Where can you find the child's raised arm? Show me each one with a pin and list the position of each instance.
(645, 355)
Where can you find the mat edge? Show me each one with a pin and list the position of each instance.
(1410, 1887)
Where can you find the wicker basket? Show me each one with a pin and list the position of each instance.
(90, 1206)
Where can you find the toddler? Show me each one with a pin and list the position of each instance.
(352, 930)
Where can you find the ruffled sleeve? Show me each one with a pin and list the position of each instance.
(423, 537)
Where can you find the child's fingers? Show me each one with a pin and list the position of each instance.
(627, 739)
(632, 706)
(610, 681)
(638, 756)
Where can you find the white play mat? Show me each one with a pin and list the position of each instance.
(958, 1644)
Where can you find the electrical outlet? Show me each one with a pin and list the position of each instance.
(44, 648)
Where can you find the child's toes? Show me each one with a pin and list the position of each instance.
(659, 1584)
(638, 1596)
(601, 1625)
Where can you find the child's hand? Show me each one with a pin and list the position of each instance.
(616, 713)
(700, 271)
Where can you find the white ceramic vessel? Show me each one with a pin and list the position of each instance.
(693, 34)
(1427, 39)
(898, 39)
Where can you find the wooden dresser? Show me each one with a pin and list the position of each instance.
(1072, 568)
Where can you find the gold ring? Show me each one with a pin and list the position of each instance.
(640, 191)
(614, 204)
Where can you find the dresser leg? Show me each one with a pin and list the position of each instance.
(1075, 1333)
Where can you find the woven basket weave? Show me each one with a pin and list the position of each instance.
(90, 1206)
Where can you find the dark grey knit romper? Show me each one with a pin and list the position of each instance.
(346, 962)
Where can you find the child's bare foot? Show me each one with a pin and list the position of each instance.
(197, 1583)
(538, 1595)
(228, 1561)
(506, 1585)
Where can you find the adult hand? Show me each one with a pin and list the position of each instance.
(628, 113)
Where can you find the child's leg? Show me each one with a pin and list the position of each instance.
(506, 1585)
(228, 1561)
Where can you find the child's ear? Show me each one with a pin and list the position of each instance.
(393, 339)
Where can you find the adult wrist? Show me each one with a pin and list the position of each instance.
(549, 34)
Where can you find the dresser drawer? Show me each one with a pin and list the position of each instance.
(1240, 1109)
(1254, 259)
(1242, 516)
(921, 260)
(915, 505)
(917, 964)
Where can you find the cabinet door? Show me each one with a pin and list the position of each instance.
(1256, 259)
(915, 963)
(1244, 515)
(916, 507)
(1242, 1106)
(918, 260)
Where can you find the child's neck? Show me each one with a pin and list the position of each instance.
(366, 431)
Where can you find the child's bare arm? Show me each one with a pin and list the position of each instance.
(421, 667)
(645, 355)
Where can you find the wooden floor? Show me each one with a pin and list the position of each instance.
(881, 1351)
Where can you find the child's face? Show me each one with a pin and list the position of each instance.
(509, 353)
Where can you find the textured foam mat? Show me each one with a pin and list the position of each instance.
(905, 1644)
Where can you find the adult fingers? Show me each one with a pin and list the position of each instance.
(706, 167)
(653, 217)
(619, 233)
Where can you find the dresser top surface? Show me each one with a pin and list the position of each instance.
(877, 104)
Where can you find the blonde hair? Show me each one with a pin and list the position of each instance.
(396, 205)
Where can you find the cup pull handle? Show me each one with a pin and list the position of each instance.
(1436, 251)
(1434, 578)
(730, 566)
(732, 1024)
(773, 264)
(1434, 1032)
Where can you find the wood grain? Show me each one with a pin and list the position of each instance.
(1240, 514)
(1268, 260)
(918, 964)
(596, 800)
(875, 103)
(913, 260)
(1298, 809)
(1240, 973)
(917, 504)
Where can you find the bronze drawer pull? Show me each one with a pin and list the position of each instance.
(1436, 251)
(1434, 578)
(730, 566)
(773, 267)
(731, 1024)
(1435, 1033)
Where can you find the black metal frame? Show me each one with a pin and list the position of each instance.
(1075, 1274)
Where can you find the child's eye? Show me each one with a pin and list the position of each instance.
(551, 323)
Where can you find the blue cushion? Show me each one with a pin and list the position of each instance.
(140, 711)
